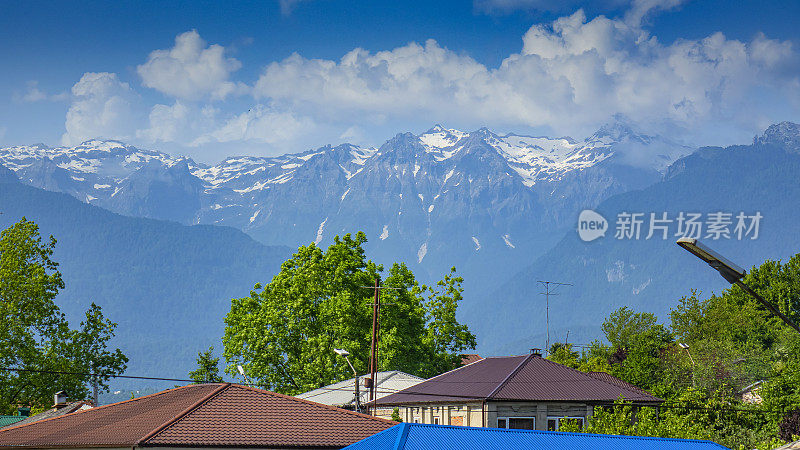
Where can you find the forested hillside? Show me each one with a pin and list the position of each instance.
(167, 285)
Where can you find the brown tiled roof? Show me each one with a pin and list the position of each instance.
(470, 358)
(201, 416)
(516, 378)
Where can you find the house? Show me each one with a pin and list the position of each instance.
(55, 411)
(60, 407)
(7, 421)
(469, 358)
(520, 392)
(218, 415)
(413, 436)
(342, 394)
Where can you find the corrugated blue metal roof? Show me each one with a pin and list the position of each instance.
(415, 436)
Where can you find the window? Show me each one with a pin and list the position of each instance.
(436, 421)
(554, 423)
(416, 419)
(517, 423)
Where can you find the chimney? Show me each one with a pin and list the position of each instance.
(59, 399)
(536, 352)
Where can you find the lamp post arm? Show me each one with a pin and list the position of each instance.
(768, 305)
(356, 393)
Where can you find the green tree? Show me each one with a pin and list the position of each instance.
(624, 324)
(284, 333)
(36, 336)
(396, 414)
(207, 368)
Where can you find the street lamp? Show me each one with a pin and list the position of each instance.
(346, 354)
(241, 372)
(731, 272)
(686, 347)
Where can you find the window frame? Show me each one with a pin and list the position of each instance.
(558, 420)
(508, 421)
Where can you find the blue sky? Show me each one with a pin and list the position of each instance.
(209, 79)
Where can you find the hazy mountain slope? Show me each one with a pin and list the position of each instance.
(167, 285)
(653, 274)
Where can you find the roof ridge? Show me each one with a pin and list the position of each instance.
(302, 400)
(509, 376)
(562, 433)
(182, 414)
(402, 435)
(604, 381)
(95, 408)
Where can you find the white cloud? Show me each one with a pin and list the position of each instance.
(102, 107)
(260, 124)
(287, 6)
(34, 94)
(190, 70)
(640, 9)
(571, 76)
(636, 9)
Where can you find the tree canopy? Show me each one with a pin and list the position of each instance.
(284, 332)
(207, 368)
(36, 336)
(731, 342)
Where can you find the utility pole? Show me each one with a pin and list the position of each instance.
(547, 293)
(373, 358)
(376, 324)
(95, 387)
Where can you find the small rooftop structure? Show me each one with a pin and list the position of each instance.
(341, 394)
(200, 416)
(414, 436)
(55, 412)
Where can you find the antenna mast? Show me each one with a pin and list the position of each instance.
(547, 293)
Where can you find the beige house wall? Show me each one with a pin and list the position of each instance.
(476, 414)
(465, 414)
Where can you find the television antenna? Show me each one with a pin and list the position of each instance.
(548, 291)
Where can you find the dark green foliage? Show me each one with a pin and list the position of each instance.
(207, 368)
(789, 428)
(396, 414)
(732, 341)
(35, 334)
(285, 332)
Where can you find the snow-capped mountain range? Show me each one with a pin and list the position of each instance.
(441, 196)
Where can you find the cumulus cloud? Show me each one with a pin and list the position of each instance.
(34, 94)
(261, 124)
(571, 75)
(102, 107)
(191, 70)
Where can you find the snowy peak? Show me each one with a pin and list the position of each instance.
(439, 137)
